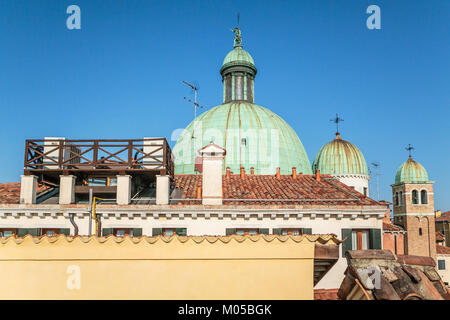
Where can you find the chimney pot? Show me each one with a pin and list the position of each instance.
(252, 171)
(228, 172)
(294, 172)
(242, 172)
(199, 192)
(278, 173)
(317, 174)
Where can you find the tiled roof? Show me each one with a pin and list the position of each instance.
(380, 275)
(439, 236)
(391, 227)
(444, 216)
(326, 294)
(319, 238)
(10, 192)
(270, 190)
(442, 249)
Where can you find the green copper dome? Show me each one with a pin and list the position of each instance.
(238, 56)
(411, 172)
(340, 157)
(253, 136)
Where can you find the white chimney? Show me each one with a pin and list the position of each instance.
(212, 163)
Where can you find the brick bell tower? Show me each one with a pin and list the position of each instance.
(413, 207)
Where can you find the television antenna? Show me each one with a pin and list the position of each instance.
(376, 165)
(195, 103)
(336, 120)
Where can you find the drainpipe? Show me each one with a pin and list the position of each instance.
(72, 220)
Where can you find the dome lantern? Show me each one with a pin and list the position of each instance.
(238, 73)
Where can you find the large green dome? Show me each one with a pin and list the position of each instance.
(340, 157)
(252, 136)
(411, 172)
(227, 125)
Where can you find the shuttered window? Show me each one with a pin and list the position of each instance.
(35, 232)
(441, 264)
(360, 239)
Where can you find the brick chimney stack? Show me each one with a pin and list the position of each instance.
(228, 173)
(317, 174)
(278, 173)
(252, 171)
(242, 172)
(294, 172)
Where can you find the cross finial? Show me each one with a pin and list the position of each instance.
(336, 120)
(409, 148)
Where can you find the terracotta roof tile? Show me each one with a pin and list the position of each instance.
(270, 190)
(442, 249)
(444, 216)
(10, 192)
(402, 277)
(391, 227)
(439, 236)
(326, 294)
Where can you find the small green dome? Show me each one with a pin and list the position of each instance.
(340, 157)
(238, 56)
(411, 172)
(252, 136)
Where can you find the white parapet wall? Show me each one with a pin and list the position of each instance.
(162, 189)
(123, 189)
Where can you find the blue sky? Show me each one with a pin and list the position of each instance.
(120, 75)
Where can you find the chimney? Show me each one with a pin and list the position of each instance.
(242, 172)
(278, 173)
(317, 174)
(212, 158)
(294, 172)
(199, 192)
(252, 171)
(228, 174)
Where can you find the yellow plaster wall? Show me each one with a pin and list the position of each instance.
(261, 267)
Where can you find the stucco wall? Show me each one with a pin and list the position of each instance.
(151, 268)
(445, 274)
(389, 240)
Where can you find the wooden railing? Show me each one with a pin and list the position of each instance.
(104, 155)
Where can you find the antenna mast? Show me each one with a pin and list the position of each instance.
(376, 165)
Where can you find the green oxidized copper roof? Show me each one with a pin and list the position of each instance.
(411, 172)
(340, 157)
(238, 56)
(226, 125)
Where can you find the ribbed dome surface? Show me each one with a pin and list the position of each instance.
(227, 125)
(238, 55)
(411, 172)
(340, 157)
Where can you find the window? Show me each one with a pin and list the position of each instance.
(168, 232)
(291, 232)
(360, 239)
(5, 232)
(441, 264)
(244, 232)
(400, 199)
(365, 191)
(415, 197)
(423, 197)
(101, 181)
(121, 232)
(396, 199)
(51, 232)
(420, 231)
